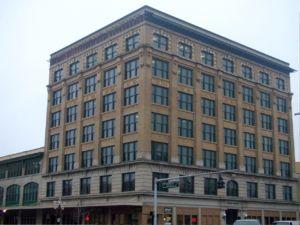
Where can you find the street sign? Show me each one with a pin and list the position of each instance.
(171, 184)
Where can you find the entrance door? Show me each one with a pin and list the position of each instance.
(231, 216)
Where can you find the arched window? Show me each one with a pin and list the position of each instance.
(12, 195)
(232, 188)
(30, 193)
(1, 195)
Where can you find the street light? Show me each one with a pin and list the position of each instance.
(175, 183)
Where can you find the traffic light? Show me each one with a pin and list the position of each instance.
(220, 183)
(87, 218)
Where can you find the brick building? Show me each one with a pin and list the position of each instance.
(153, 96)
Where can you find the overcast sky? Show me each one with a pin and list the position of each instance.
(31, 30)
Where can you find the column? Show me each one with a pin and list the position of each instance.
(199, 216)
(174, 216)
(197, 117)
(39, 216)
(97, 132)
(262, 217)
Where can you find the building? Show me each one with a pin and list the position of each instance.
(151, 96)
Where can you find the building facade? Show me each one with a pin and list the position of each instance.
(153, 96)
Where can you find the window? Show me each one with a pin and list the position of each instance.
(69, 161)
(70, 137)
(232, 188)
(109, 77)
(285, 169)
(56, 98)
(32, 166)
(209, 158)
(109, 101)
(71, 114)
(105, 184)
(132, 42)
(67, 187)
(264, 78)
(249, 140)
(208, 83)
(185, 155)
(268, 167)
(247, 72)
(210, 186)
(108, 128)
(281, 105)
(282, 125)
(85, 186)
(73, 91)
(55, 119)
(283, 147)
(107, 155)
(230, 161)
(160, 68)
(50, 189)
(130, 123)
(185, 101)
(266, 121)
(87, 159)
(208, 107)
(159, 151)
(270, 191)
(208, 132)
(53, 163)
(229, 136)
(160, 95)
(14, 169)
(160, 123)
(12, 195)
(129, 151)
(185, 50)
(131, 69)
(131, 95)
(74, 68)
(287, 193)
(160, 184)
(185, 76)
(160, 42)
(29, 194)
(57, 75)
(252, 190)
(228, 89)
(89, 108)
(265, 100)
(185, 128)
(229, 112)
(250, 164)
(228, 65)
(111, 52)
(186, 185)
(90, 84)
(88, 133)
(2, 172)
(54, 141)
(247, 94)
(280, 84)
(248, 117)
(91, 60)
(1, 196)
(207, 58)
(267, 143)
(128, 182)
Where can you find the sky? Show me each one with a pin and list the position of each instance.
(30, 30)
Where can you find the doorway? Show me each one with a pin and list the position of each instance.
(231, 216)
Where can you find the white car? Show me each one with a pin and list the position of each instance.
(246, 222)
(286, 222)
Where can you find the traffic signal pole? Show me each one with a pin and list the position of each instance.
(177, 179)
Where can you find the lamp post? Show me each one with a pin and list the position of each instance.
(175, 183)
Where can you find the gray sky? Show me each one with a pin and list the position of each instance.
(31, 30)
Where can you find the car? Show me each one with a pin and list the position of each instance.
(286, 222)
(246, 222)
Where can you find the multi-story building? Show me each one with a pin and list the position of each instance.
(153, 96)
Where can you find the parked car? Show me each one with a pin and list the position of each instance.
(286, 222)
(246, 222)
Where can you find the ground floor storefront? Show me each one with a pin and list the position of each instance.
(143, 215)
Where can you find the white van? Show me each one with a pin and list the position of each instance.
(286, 222)
(246, 222)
